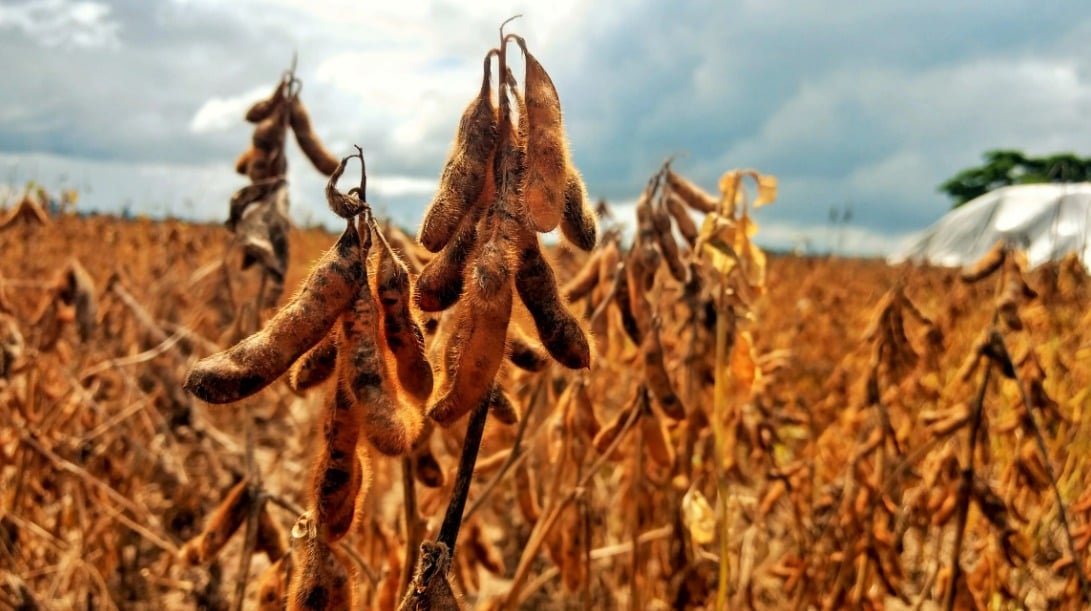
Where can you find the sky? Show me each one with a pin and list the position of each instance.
(858, 105)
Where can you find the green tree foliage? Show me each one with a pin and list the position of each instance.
(1010, 167)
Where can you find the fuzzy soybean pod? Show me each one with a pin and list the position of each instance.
(558, 329)
(339, 477)
(316, 366)
(320, 579)
(522, 354)
(263, 108)
(224, 522)
(664, 237)
(403, 334)
(256, 361)
(475, 351)
(691, 194)
(578, 223)
(441, 280)
(547, 150)
(686, 226)
(273, 585)
(585, 279)
(655, 372)
(312, 147)
(623, 298)
(464, 174)
(389, 425)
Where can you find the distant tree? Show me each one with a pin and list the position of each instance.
(1010, 167)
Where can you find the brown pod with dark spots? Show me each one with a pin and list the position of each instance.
(578, 222)
(441, 280)
(227, 518)
(691, 194)
(664, 237)
(273, 585)
(585, 280)
(464, 174)
(559, 330)
(320, 579)
(547, 149)
(482, 324)
(389, 425)
(315, 366)
(339, 479)
(401, 331)
(256, 361)
(430, 590)
(269, 134)
(312, 147)
(655, 372)
(685, 223)
(522, 354)
(262, 109)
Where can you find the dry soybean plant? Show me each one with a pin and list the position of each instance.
(258, 213)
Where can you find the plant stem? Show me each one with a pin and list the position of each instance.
(965, 486)
(452, 520)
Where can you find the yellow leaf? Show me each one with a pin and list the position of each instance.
(767, 189)
(699, 518)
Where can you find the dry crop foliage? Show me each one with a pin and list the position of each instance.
(752, 432)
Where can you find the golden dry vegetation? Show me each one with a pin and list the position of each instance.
(665, 420)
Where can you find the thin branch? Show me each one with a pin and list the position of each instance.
(452, 520)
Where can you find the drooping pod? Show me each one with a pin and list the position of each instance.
(441, 280)
(547, 150)
(273, 585)
(522, 354)
(578, 223)
(256, 361)
(389, 425)
(691, 194)
(315, 366)
(401, 331)
(664, 237)
(263, 108)
(655, 372)
(686, 226)
(308, 141)
(319, 579)
(464, 174)
(585, 279)
(482, 324)
(227, 518)
(559, 330)
(339, 476)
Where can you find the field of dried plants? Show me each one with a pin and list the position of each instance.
(467, 418)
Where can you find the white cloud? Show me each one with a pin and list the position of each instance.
(219, 113)
(63, 23)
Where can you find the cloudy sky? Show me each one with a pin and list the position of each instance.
(139, 104)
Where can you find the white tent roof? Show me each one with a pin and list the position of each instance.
(1046, 220)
